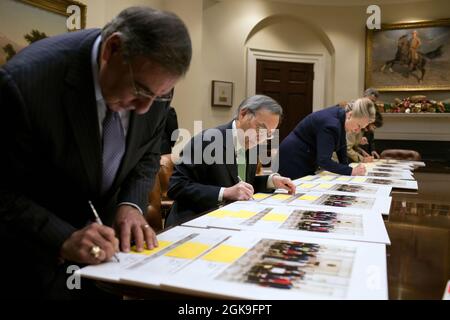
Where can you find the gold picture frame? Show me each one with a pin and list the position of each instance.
(28, 21)
(59, 7)
(222, 93)
(389, 51)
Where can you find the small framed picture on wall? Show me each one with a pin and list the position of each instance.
(222, 94)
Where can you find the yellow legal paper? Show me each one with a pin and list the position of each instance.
(281, 196)
(328, 178)
(220, 213)
(161, 245)
(308, 198)
(244, 214)
(359, 179)
(188, 250)
(307, 186)
(277, 217)
(325, 186)
(343, 179)
(224, 253)
(261, 196)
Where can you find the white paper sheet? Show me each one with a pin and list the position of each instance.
(401, 184)
(326, 200)
(252, 265)
(344, 188)
(177, 247)
(289, 220)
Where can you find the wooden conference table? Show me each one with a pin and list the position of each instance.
(418, 259)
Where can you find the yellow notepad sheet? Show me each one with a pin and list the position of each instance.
(161, 245)
(277, 217)
(261, 196)
(244, 214)
(220, 213)
(224, 253)
(328, 178)
(359, 179)
(188, 250)
(307, 185)
(308, 197)
(281, 196)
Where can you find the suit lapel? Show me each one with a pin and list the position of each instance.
(80, 105)
(229, 145)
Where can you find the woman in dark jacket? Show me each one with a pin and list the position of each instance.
(311, 144)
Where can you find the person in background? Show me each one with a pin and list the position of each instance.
(199, 186)
(354, 140)
(311, 144)
(372, 94)
(367, 144)
(171, 128)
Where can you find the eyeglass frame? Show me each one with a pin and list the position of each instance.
(259, 127)
(140, 93)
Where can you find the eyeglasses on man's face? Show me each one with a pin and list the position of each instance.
(142, 93)
(262, 131)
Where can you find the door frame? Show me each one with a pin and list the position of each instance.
(317, 59)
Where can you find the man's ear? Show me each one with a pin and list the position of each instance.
(112, 47)
(349, 115)
(243, 113)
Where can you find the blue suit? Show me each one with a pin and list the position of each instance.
(311, 144)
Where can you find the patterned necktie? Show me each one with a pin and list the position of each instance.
(113, 148)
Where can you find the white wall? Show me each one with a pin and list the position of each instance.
(101, 11)
(222, 31)
(228, 24)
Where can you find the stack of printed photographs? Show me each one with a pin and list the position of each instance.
(326, 241)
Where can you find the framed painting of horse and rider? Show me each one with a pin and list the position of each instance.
(409, 56)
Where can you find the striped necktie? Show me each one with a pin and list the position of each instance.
(113, 148)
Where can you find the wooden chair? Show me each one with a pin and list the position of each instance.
(159, 203)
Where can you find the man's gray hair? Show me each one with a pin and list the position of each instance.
(257, 102)
(371, 92)
(157, 35)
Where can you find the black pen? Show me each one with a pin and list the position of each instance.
(99, 221)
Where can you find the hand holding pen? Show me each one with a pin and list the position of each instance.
(96, 250)
(241, 191)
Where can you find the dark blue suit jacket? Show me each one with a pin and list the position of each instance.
(51, 155)
(312, 143)
(195, 187)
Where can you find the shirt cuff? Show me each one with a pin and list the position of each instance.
(131, 204)
(270, 184)
(222, 190)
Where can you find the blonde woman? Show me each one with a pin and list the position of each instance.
(311, 144)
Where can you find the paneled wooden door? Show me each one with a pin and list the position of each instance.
(291, 85)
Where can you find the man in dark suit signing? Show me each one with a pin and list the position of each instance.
(82, 118)
(219, 165)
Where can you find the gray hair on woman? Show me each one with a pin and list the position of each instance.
(157, 35)
(257, 102)
(362, 108)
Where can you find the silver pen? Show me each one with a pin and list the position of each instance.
(99, 221)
